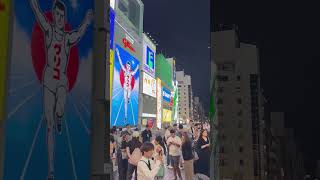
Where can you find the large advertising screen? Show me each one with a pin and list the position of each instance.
(164, 70)
(148, 59)
(159, 103)
(167, 115)
(49, 99)
(125, 90)
(149, 85)
(4, 34)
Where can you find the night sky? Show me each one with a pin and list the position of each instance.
(182, 30)
(288, 35)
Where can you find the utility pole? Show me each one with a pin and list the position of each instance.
(100, 160)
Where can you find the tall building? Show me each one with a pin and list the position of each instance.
(198, 110)
(185, 105)
(239, 111)
(284, 155)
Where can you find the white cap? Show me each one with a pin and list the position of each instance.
(135, 134)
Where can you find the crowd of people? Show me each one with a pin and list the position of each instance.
(147, 155)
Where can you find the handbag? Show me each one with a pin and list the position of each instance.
(160, 171)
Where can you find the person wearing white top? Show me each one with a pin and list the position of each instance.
(174, 144)
(148, 168)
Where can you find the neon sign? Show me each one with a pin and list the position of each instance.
(128, 44)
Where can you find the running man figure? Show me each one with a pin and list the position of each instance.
(128, 74)
(58, 43)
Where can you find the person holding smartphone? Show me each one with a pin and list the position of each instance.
(174, 144)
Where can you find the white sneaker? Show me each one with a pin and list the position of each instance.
(181, 167)
(170, 167)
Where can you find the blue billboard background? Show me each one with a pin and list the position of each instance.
(166, 95)
(26, 154)
(117, 107)
(112, 18)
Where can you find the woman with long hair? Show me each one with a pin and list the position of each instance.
(131, 147)
(159, 151)
(203, 163)
(188, 156)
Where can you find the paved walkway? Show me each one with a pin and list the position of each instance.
(169, 175)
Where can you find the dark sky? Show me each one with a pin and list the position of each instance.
(182, 30)
(288, 34)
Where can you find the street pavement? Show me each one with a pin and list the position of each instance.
(169, 175)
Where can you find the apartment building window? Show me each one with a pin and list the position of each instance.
(220, 89)
(240, 124)
(239, 100)
(220, 101)
(238, 78)
(222, 162)
(239, 113)
(241, 162)
(221, 149)
(222, 78)
(241, 149)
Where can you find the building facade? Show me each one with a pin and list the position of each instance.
(239, 113)
(185, 106)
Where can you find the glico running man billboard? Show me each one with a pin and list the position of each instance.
(49, 98)
(125, 89)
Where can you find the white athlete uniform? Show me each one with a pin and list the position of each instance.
(57, 61)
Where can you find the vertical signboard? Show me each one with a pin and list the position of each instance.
(49, 98)
(159, 103)
(112, 18)
(125, 90)
(148, 56)
(4, 34)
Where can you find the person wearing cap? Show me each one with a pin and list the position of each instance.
(131, 146)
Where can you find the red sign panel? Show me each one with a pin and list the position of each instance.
(127, 44)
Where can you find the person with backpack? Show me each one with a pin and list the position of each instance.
(147, 168)
(134, 155)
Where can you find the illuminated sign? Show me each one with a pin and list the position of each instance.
(159, 103)
(128, 45)
(112, 18)
(149, 85)
(149, 60)
(166, 95)
(167, 115)
(112, 3)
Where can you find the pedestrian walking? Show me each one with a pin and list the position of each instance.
(123, 156)
(146, 134)
(174, 143)
(203, 163)
(134, 155)
(147, 168)
(166, 136)
(188, 156)
(179, 134)
(159, 151)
